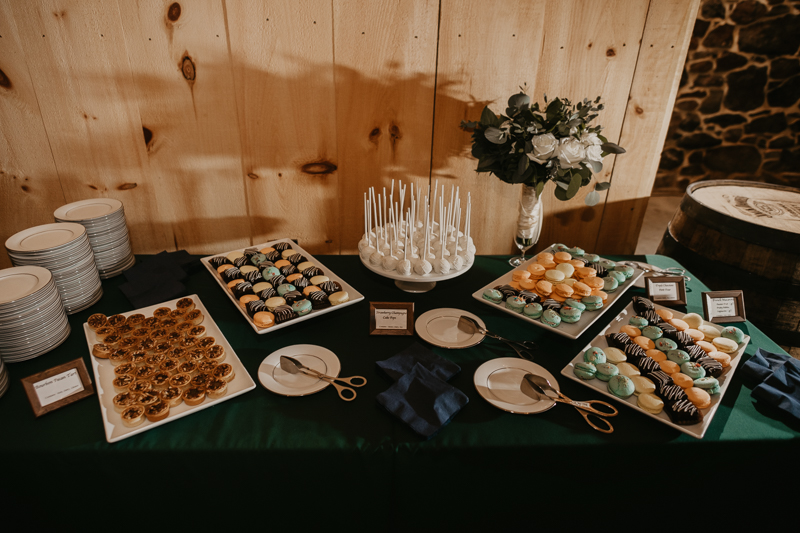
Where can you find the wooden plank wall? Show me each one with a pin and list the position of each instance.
(221, 123)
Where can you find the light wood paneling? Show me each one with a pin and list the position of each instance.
(655, 84)
(283, 70)
(29, 186)
(79, 67)
(385, 73)
(184, 86)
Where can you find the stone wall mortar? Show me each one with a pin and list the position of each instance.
(737, 112)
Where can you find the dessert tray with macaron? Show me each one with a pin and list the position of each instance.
(160, 363)
(277, 283)
(562, 289)
(671, 366)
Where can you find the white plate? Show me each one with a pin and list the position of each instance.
(355, 296)
(277, 380)
(440, 328)
(104, 376)
(19, 282)
(498, 382)
(45, 237)
(572, 331)
(88, 209)
(697, 430)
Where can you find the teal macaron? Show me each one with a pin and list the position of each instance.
(551, 318)
(610, 284)
(584, 370)
(693, 370)
(594, 355)
(733, 333)
(617, 275)
(571, 302)
(606, 371)
(533, 310)
(608, 265)
(493, 295)
(592, 258)
(516, 304)
(624, 269)
(664, 344)
(638, 322)
(570, 315)
(592, 303)
(652, 332)
(301, 307)
(678, 356)
(576, 252)
(621, 386)
(706, 382)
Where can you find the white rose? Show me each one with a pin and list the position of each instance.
(594, 153)
(544, 147)
(570, 152)
(590, 139)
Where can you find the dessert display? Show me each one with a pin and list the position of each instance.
(176, 361)
(276, 284)
(419, 242)
(561, 288)
(662, 363)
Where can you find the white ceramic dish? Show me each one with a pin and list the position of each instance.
(277, 380)
(85, 210)
(440, 328)
(498, 382)
(104, 376)
(355, 296)
(18, 283)
(697, 430)
(572, 331)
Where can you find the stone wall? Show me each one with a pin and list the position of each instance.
(736, 114)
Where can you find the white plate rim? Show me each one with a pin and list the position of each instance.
(13, 242)
(61, 212)
(43, 275)
(428, 316)
(486, 369)
(272, 360)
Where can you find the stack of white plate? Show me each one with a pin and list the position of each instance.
(4, 381)
(104, 220)
(64, 250)
(32, 318)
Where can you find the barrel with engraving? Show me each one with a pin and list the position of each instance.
(744, 235)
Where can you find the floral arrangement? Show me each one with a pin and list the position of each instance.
(533, 146)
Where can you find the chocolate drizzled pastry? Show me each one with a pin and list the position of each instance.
(255, 306)
(242, 288)
(293, 296)
(330, 287)
(670, 393)
(651, 316)
(634, 351)
(712, 367)
(312, 271)
(682, 338)
(319, 300)
(695, 352)
(642, 304)
(648, 365)
(296, 259)
(232, 274)
(601, 271)
(665, 326)
(660, 378)
(273, 255)
(250, 252)
(301, 283)
(683, 413)
(530, 297)
(267, 293)
(551, 304)
(618, 340)
(288, 270)
(278, 280)
(241, 261)
(283, 313)
(507, 290)
(218, 261)
(281, 246)
(254, 277)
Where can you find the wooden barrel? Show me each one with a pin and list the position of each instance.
(744, 235)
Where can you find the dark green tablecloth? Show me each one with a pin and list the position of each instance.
(300, 462)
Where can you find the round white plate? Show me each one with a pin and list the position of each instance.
(45, 237)
(440, 328)
(19, 282)
(88, 209)
(281, 382)
(498, 382)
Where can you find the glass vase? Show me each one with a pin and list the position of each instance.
(529, 223)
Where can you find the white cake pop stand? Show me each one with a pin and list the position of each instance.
(414, 283)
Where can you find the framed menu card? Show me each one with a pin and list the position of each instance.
(722, 307)
(58, 386)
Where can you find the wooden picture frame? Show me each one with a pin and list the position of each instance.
(391, 318)
(723, 307)
(666, 290)
(58, 386)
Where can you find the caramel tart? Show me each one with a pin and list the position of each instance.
(133, 416)
(142, 332)
(197, 355)
(116, 321)
(123, 400)
(141, 385)
(180, 380)
(200, 381)
(177, 314)
(184, 327)
(135, 320)
(151, 322)
(160, 380)
(173, 337)
(216, 353)
(149, 398)
(139, 357)
(224, 372)
(169, 365)
(96, 321)
(162, 312)
(197, 332)
(123, 382)
(194, 396)
(187, 342)
(148, 344)
(205, 342)
(129, 343)
(158, 334)
(206, 367)
(169, 324)
(156, 359)
(111, 340)
(120, 355)
(162, 347)
(144, 371)
(157, 411)
(188, 367)
(177, 353)
(102, 351)
(124, 368)
(124, 330)
(185, 304)
(172, 395)
(103, 332)
(195, 316)
(217, 388)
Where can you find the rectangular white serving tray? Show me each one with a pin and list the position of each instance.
(696, 430)
(104, 376)
(572, 331)
(355, 296)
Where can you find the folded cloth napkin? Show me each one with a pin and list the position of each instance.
(779, 377)
(423, 401)
(401, 364)
(157, 279)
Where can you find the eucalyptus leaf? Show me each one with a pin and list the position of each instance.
(562, 185)
(522, 166)
(592, 199)
(488, 118)
(596, 166)
(495, 135)
(561, 194)
(574, 185)
(602, 186)
(612, 148)
(519, 101)
(539, 188)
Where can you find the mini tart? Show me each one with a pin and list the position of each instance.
(178, 352)
(97, 321)
(169, 366)
(200, 381)
(145, 371)
(102, 351)
(160, 380)
(139, 357)
(158, 334)
(124, 330)
(129, 343)
(162, 312)
(197, 332)
(140, 385)
(177, 314)
(116, 321)
(133, 416)
(217, 388)
(184, 327)
(123, 400)
(187, 342)
(173, 337)
(148, 344)
(216, 353)
(156, 359)
(124, 368)
(205, 342)
(195, 316)
(196, 355)
(207, 367)
(149, 398)
(150, 322)
(194, 396)
(123, 383)
(103, 332)
(188, 367)
(112, 340)
(162, 347)
(224, 372)
(135, 320)
(185, 304)
(169, 324)
(180, 380)
(172, 395)
(157, 411)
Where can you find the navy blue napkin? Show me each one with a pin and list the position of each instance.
(401, 364)
(423, 401)
(157, 279)
(779, 377)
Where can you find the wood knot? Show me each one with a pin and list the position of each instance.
(4, 81)
(375, 135)
(188, 68)
(252, 176)
(638, 110)
(93, 187)
(148, 135)
(26, 188)
(126, 186)
(611, 52)
(318, 167)
(589, 46)
(174, 12)
(395, 132)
